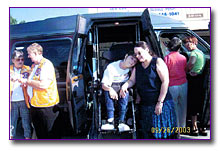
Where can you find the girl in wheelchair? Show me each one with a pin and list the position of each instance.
(114, 76)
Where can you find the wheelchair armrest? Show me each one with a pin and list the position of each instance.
(131, 91)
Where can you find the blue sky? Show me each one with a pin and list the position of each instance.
(33, 14)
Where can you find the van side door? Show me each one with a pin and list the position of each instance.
(149, 34)
(74, 81)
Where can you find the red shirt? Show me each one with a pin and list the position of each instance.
(176, 64)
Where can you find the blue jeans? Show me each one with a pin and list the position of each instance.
(179, 95)
(19, 109)
(122, 105)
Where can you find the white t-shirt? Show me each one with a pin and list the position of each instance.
(17, 94)
(114, 74)
(46, 73)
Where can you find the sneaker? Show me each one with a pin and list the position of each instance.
(123, 127)
(108, 126)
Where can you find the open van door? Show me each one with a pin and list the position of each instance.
(74, 81)
(149, 34)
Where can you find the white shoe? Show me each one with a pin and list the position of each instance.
(107, 126)
(123, 127)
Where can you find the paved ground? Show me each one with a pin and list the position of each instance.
(196, 137)
(185, 137)
(109, 136)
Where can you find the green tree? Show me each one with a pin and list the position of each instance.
(21, 22)
(14, 21)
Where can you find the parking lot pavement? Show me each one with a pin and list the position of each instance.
(197, 137)
(184, 137)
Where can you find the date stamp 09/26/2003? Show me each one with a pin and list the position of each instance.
(185, 130)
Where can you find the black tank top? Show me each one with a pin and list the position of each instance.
(148, 83)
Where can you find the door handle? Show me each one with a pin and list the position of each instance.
(76, 78)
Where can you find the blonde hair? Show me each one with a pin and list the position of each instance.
(35, 47)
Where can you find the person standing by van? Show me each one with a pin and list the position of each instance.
(176, 64)
(195, 67)
(43, 93)
(158, 117)
(114, 76)
(18, 95)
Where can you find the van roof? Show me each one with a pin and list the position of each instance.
(67, 24)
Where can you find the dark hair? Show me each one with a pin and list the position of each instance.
(144, 45)
(17, 54)
(174, 44)
(131, 53)
(190, 39)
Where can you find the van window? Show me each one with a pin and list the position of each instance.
(57, 51)
(166, 37)
(76, 53)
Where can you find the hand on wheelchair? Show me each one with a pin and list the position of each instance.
(123, 91)
(113, 94)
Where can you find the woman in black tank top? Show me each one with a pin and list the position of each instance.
(158, 119)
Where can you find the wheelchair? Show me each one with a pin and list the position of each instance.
(129, 120)
(116, 52)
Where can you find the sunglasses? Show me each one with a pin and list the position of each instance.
(19, 59)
